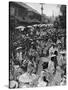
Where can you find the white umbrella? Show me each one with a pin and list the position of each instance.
(18, 48)
(29, 26)
(35, 25)
(20, 27)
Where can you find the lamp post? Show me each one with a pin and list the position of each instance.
(42, 12)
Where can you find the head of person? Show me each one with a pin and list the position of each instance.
(45, 65)
(56, 53)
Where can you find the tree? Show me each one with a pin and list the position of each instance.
(62, 18)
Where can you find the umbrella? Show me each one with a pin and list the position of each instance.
(18, 48)
(20, 27)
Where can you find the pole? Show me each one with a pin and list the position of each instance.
(41, 12)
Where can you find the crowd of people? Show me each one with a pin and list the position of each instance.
(38, 57)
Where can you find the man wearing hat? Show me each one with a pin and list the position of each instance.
(54, 60)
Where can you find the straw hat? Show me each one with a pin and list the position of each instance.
(13, 84)
(44, 59)
(53, 55)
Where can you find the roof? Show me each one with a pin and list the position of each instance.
(27, 7)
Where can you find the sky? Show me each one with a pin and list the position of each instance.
(49, 9)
